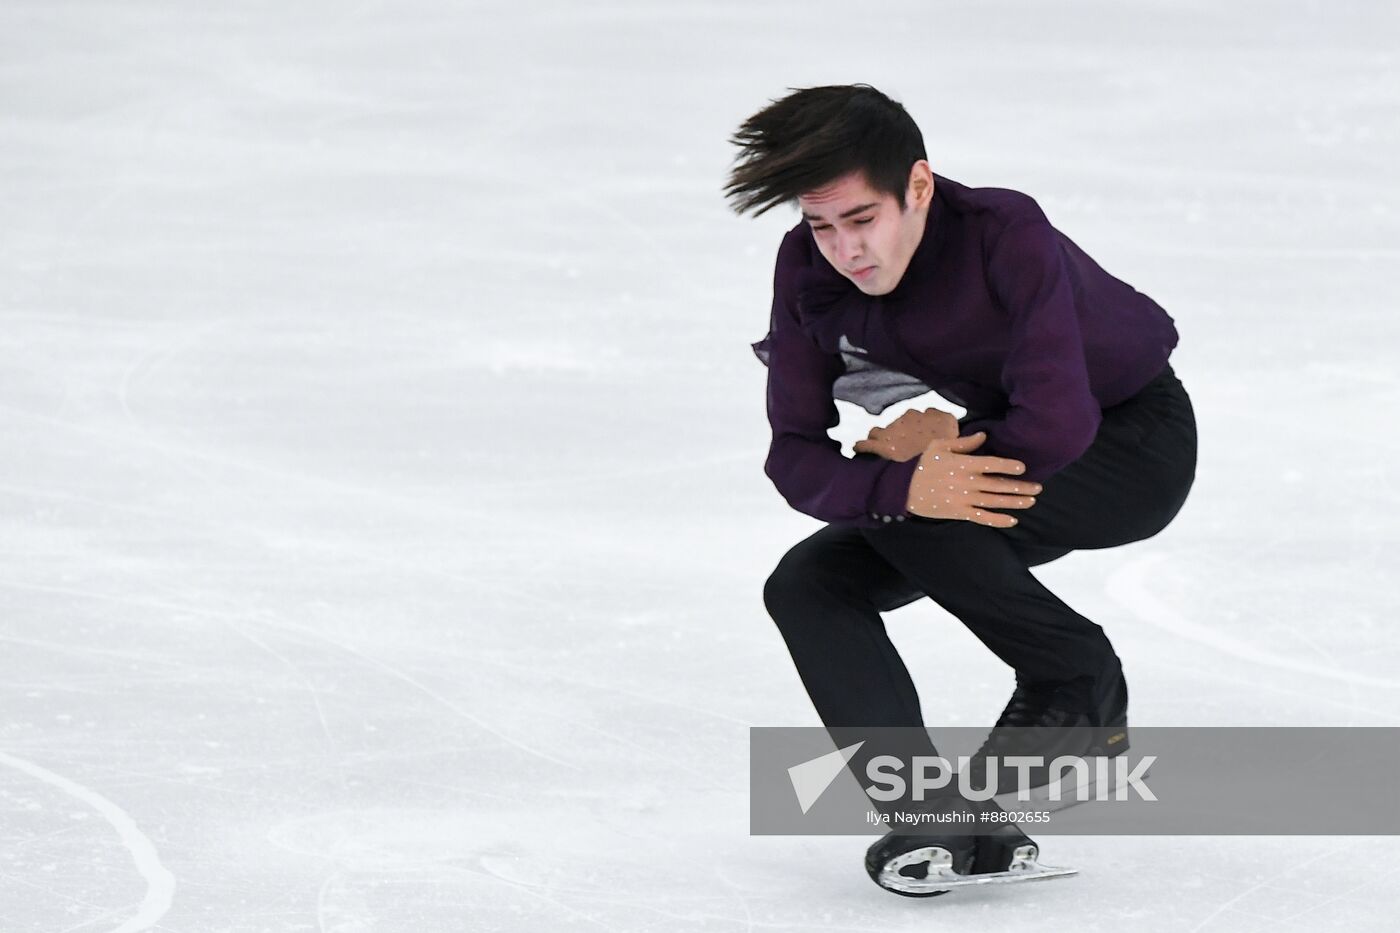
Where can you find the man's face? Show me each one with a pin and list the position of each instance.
(863, 234)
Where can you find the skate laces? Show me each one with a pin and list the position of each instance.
(1026, 708)
(1029, 708)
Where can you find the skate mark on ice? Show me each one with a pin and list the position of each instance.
(613, 476)
(341, 914)
(53, 895)
(295, 669)
(1254, 683)
(82, 651)
(285, 627)
(145, 364)
(1128, 587)
(278, 623)
(331, 905)
(160, 883)
(1340, 895)
(313, 483)
(551, 677)
(1268, 880)
(545, 892)
(558, 677)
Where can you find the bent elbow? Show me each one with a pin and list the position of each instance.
(1061, 448)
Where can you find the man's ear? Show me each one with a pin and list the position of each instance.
(921, 184)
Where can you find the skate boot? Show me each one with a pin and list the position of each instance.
(965, 844)
(1045, 722)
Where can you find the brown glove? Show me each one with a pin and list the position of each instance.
(949, 483)
(906, 436)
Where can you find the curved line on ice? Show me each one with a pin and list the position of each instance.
(160, 883)
(1128, 588)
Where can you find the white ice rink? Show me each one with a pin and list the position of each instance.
(384, 520)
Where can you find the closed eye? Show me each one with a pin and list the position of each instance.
(863, 220)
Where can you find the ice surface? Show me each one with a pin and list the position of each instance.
(382, 493)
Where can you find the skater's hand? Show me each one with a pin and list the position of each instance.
(951, 484)
(906, 436)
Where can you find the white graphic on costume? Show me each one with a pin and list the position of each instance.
(847, 347)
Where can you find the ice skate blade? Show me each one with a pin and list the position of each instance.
(941, 877)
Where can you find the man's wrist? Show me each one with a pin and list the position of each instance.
(890, 502)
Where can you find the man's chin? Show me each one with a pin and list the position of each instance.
(874, 289)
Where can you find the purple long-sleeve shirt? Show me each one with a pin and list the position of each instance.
(998, 312)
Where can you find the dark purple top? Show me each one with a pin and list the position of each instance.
(998, 312)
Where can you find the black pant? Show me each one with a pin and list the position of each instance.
(828, 591)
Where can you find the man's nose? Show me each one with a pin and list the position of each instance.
(848, 247)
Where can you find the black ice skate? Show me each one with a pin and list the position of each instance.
(925, 864)
(1035, 723)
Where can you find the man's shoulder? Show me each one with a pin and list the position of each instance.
(797, 241)
(991, 208)
(795, 252)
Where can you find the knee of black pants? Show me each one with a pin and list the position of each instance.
(806, 580)
(782, 589)
(775, 593)
(788, 589)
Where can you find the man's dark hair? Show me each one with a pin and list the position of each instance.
(816, 135)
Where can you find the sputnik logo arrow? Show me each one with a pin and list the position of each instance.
(811, 778)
